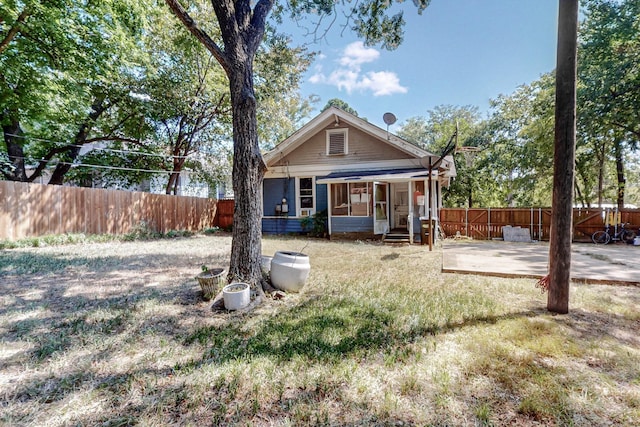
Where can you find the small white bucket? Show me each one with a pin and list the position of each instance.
(636, 241)
(236, 296)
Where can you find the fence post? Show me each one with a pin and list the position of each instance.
(540, 224)
(466, 222)
(489, 223)
(531, 228)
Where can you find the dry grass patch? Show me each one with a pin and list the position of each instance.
(116, 333)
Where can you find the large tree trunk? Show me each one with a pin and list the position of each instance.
(242, 30)
(97, 108)
(601, 164)
(563, 159)
(14, 140)
(248, 173)
(174, 178)
(57, 177)
(620, 173)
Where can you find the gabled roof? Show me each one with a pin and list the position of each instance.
(336, 115)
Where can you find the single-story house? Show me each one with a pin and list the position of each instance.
(369, 182)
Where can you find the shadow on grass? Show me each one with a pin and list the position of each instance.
(17, 263)
(390, 257)
(326, 329)
(51, 303)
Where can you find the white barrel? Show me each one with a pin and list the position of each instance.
(265, 265)
(289, 270)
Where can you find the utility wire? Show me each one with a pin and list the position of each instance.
(58, 162)
(93, 147)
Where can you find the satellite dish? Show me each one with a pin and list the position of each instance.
(389, 118)
(430, 161)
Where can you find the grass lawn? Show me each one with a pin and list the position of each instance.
(116, 333)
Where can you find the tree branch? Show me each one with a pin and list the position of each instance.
(42, 164)
(201, 35)
(260, 13)
(14, 30)
(627, 128)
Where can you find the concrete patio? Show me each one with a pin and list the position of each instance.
(613, 264)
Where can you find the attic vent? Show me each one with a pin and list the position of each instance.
(337, 142)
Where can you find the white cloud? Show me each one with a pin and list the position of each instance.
(350, 77)
(382, 83)
(356, 54)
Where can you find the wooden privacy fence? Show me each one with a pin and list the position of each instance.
(487, 223)
(29, 210)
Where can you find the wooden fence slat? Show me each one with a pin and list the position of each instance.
(487, 223)
(30, 210)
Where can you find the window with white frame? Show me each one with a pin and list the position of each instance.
(337, 142)
(351, 199)
(306, 196)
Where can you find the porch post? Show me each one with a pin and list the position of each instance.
(410, 219)
(430, 207)
(329, 209)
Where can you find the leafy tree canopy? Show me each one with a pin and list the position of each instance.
(339, 103)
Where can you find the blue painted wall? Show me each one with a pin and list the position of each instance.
(321, 197)
(274, 190)
(350, 224)
(281, 225)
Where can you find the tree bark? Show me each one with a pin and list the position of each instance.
(97, 108)
(242, 30)
(620, 173)
(601, 164)
(174, 176)
(14, 30)
(14, 140)
(247, 175)
(564, 158)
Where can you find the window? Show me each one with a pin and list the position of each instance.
(337, 142)
(306, 197)
(352, 199)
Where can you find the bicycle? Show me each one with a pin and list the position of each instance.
(603, 237)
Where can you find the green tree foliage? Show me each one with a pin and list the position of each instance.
(279, 69)
(339, 103)
(187, 102)
(134, 84)
(518, 158)
(436, 130)
(609, 74)
(514, 167)
(62, 64)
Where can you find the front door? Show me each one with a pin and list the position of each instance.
(380, 218)
(400, 192)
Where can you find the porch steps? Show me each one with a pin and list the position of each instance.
(395, 237)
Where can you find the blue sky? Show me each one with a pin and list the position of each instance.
(458, 52)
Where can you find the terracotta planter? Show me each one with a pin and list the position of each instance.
(289, 270)
(236, 295)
